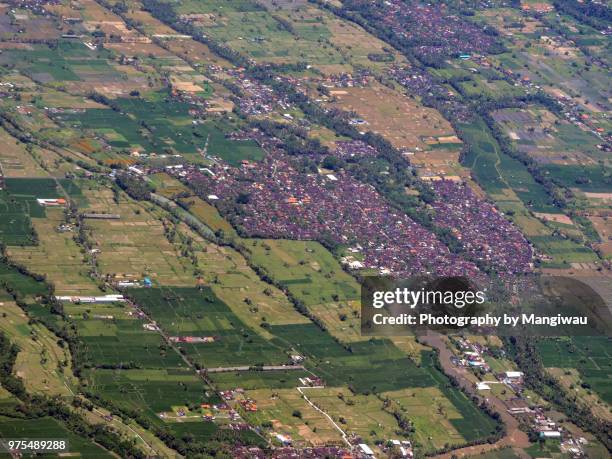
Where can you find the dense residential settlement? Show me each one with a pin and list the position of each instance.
(193, 193)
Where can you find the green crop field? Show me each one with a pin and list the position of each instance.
(151, 391)
(305, 268)
(160, 125)
(258, 379)
(586, 178)
(36, 187)
(496, 171)
(15, 225)
(123, 342)
(48, 428)
(64, 62)
(591, 356)
(194, 312)
(12, 279)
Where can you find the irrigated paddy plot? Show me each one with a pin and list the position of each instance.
(590, 355)
(134, 245)
(46, 428)
(306, 269)
(255, 379)
(113, 339)
(155, 390)
(401, 120)
(162, 126)
(69, 273)
(280, 406)
(206, 328)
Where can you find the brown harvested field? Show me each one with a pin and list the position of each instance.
(15, 161)
(117, 28)
(400, 119)
(63, 10)
(501, 18)
(111, 89)
(219, 105)
(94, 12)
(277, 406)
(333, 69)
(139, 49)
(15, 45)
(36, 28)
(186, 48)
(59, 99)
(570, 380)
(194, 51)
(603, 226)
(186, 86)
(599, 196)
(439, 162)
(57, 256)
(557, 218)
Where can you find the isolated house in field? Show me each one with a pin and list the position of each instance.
(514, 375)
(366, 450)
(51, 202)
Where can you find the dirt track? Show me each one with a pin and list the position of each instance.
(514, 437)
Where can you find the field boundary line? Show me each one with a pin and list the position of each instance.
(300, 389)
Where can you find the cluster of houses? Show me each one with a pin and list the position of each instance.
(420, 82)
(258, 98)
(311, 381)
(434, 30)
(354, 149)
(192, 339)
(357, 79)
(398, 448)
(288, 452)
(485, 234)
(548, 429)
(472, 354)
(285, 203)
(77, 299)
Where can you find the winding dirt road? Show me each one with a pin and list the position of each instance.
(514, 437)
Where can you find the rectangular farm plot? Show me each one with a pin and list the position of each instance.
(15, 225)
(362, 415)
(254, 379)
(57, 256)
(154, 126)
(431, 413)
(278, 407)
(15, 160)
(18, 203)
(375, 365)
(591, 356)
(305, 268)
(155, 390)
(398, 118)
(47, 428)
(135, 244)
(123, 342)
(206, 328)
